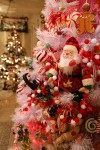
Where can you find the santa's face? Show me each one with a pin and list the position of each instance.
(69, 53)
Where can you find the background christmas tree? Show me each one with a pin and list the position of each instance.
(12, 61)
(59, 99)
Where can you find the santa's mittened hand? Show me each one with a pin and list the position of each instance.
(72, 63)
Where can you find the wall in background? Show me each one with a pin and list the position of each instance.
(28, 40)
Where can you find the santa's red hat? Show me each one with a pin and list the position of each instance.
(73, 41)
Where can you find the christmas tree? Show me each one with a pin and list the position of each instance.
(12, 61)
(59, 99)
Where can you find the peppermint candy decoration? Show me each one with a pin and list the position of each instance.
(41, 56)
(98, 124)
(19, 89)
(38, 80)
(71, 19)
(91, 125)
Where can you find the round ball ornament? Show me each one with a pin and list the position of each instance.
(85, 60)
(89, 64)
(86, 7)
(97, 57)
(91, 125)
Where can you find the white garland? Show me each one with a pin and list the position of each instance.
(84, 144)
(55, 6)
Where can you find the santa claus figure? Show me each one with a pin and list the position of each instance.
(70, 70)
(69, 58)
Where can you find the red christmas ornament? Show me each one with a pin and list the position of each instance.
(29, 104)
(55, 83)
(48, 67)
(25, 109)
(56, 93)
(76, 120)
(44, 91)
(33, 99)
(35, 91)
(96, 49)
(64, 120)
(59, 110)
(86, 41)
(85, 95)
(97, 61)
(87, 54)
(46, 78)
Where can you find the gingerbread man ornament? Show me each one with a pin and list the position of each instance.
(85, 20)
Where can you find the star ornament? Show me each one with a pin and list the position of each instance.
(67, 84)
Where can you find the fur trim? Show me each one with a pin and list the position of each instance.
(86, 82)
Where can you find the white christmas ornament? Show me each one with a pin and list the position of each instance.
(86, 47)
(79, 116)
(57, 101)
(54, 77)
(38, 91)
(45, 83)
(83, 106)
(73, 123)
(89, 64)
(29, 98)
(85, 60)
(97, 57)
(94, 41)
(61, 117)
(56, 88)
(33, 95)
(47, 64)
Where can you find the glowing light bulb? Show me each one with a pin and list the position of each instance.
(23, 61)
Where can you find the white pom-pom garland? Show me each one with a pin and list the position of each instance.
(54, 77)
(47, 64)
(94, 41)
(61, 117)
(97, 57)
(33, 95)
(73, 123)
(86, 47)
(29, 98)
(33, 105)
(84, 144)
(89, 64)
(79, 115)
(56, 88)
(38, 91)
(85, 60)
(45, 83)
(57, 101)
(83, 106)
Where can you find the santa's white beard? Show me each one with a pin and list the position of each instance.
(64, 64)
